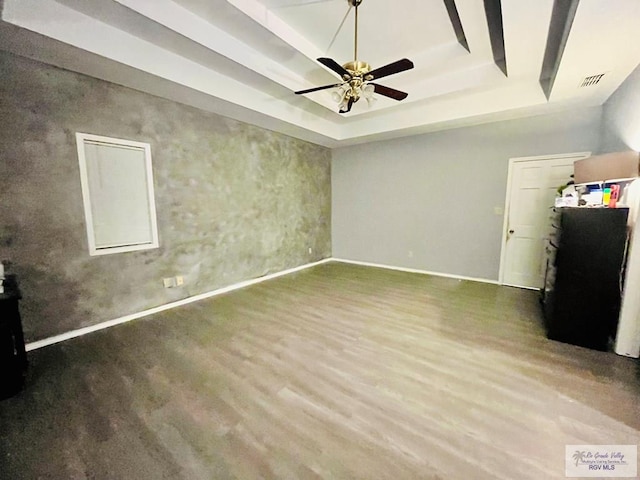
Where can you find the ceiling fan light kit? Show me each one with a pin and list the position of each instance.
(357, 76)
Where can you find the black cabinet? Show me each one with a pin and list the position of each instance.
(583, 285)
(13, 358)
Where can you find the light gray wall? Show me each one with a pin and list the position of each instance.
(234, 201)
(621, 119)
(434, 195)
(622, 132)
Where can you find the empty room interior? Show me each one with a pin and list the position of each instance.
(348, 239)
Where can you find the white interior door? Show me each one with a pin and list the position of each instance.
(530, 196)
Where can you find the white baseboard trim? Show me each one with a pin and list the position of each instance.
(414, 270)
(521, 286)
(236, 286)
(127, 318)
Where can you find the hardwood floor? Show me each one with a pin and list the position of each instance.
(340, 371)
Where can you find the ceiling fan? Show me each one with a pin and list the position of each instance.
(357, 76)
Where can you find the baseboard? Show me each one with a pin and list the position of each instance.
(127, 318)
(414, 270)
(236, 286)
(521, 286)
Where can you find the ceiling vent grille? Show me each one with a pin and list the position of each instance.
(592, 80)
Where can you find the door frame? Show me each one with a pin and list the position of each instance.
(507, 201)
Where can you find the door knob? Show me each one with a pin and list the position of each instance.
(512, 232)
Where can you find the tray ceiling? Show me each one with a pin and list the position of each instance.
(245, 58)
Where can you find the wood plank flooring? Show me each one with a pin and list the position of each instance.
(339, 371)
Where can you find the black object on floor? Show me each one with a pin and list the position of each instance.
(582, 294)
(13, 357)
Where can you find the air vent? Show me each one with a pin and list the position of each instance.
(592, 80)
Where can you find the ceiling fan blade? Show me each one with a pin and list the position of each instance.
(390, 69)
(335, 66)
(315, 89)
(349, 105)
(389, 92)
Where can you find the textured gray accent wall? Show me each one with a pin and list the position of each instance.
(428, 202)
(234, 201)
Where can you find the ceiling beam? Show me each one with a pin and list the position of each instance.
(564, 11)
(452, 10)
(493, 11)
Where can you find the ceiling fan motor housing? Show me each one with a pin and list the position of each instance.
(357, 68)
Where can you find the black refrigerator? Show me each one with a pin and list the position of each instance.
(584, 278)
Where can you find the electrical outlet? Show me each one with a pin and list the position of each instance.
(179, 280)
(310, 250)
(498, 210)
(168, 282)
(410, 254)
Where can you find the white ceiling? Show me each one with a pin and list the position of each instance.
(244, 58)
